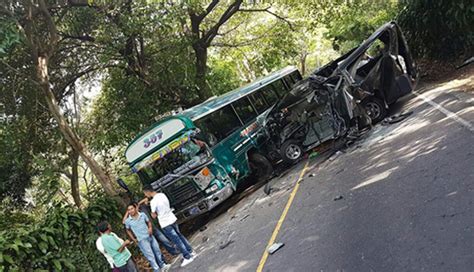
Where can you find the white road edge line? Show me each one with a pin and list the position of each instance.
(446, 112)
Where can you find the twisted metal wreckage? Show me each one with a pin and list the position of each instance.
(343, 96)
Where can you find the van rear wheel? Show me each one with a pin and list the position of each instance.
(376, 110)
(261, 167)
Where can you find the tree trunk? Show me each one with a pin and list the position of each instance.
(303, 56)
(42, 74)
(201, 70)
(76, 195)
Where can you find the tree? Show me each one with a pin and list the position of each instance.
(438, 29)
(205, 26)
(45, 45)
(202, 38)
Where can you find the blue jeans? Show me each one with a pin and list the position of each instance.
(173, 233)
(151, 250)
(164, 241)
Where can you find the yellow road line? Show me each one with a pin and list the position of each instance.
(282, 218)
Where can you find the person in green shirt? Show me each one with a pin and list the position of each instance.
(117, 250)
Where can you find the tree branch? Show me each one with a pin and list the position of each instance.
(199, 17)
(212, 32)
(78, 75)
(66, 173)
(18, 72)
(240, 44)
(53, 32)
(79, 3)
(230, 30)
(84, 38)
(267, 10)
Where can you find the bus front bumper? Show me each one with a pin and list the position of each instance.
(205, 204)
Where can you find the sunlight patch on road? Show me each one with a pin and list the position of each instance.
(465, 83)
(451, 115)
(375, 178)
(235, 267)
(404, 129)
(465, 111)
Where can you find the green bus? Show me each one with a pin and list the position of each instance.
(198, 156)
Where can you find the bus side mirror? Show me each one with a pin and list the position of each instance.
(122, 184)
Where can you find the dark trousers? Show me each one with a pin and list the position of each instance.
(128, 267)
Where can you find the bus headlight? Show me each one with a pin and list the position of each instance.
(212, 189)
(203, 178)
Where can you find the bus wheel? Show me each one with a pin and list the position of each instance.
(291, 151)
(261, 167)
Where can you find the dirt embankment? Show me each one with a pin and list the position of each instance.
(441, 71)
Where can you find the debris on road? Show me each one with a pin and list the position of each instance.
(203, 228)
(244, 217)
(314, 154)
(396, 118)
(273, 248)
(466, 63)
(312, 175)
(226, 244)
(337, 154)
(227, 240)
(338, 198)
(267, 189)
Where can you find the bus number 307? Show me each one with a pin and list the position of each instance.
(152, 139)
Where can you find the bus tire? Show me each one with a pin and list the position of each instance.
(291, 151)
(261, 167)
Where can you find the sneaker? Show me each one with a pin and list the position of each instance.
(165, 268)
(187, 261)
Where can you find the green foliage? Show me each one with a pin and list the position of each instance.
(356, 20)
(9, 35)
(438, 29)
(64, 240)
(15, 171)
(222, 76)
(141, 52)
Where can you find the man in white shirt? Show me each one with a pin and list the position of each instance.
(100, 248)
(160, 208)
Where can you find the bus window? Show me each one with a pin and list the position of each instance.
(292, 78)
(244, 109)
(219, 124)
(280, 88)
(296, 76)
(259, 101)
(269, 94)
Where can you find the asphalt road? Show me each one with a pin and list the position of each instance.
(407, 201)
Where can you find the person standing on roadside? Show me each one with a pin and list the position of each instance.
(100, 248)
(116, 249)
(160, 208)
(144, 207)
(140, 230)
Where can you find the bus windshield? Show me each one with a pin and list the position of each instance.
(172, 161)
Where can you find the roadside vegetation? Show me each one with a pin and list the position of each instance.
(80, 78)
